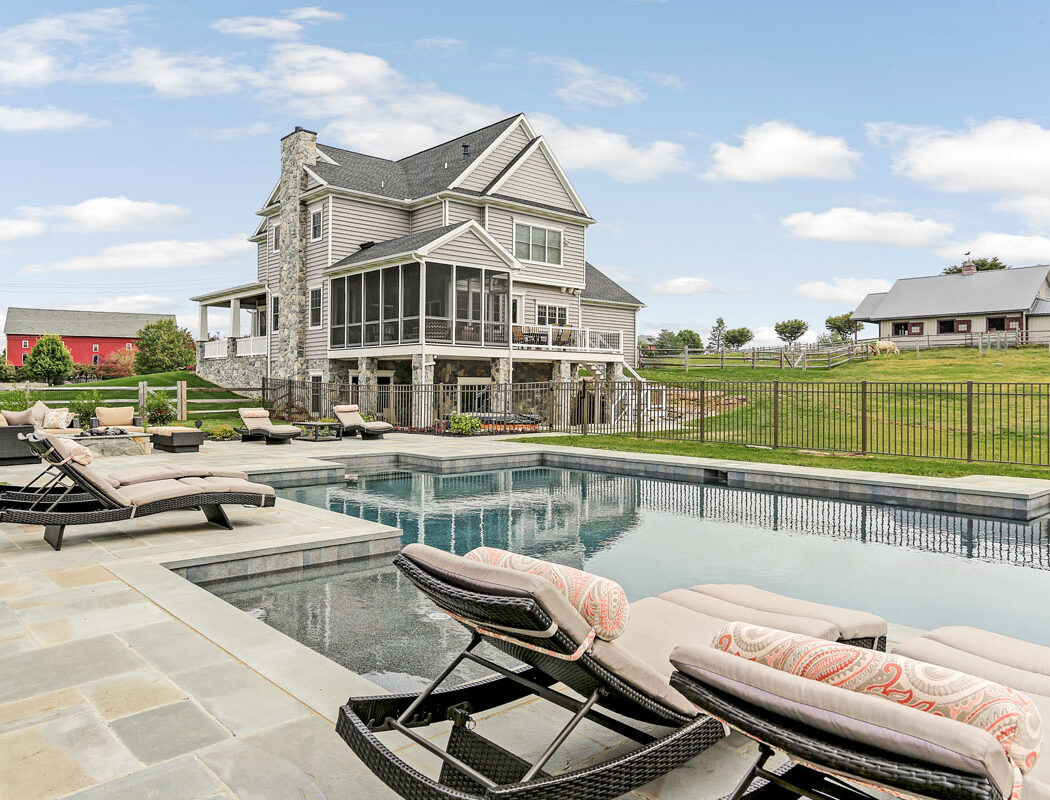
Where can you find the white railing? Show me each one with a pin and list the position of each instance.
(553, 337)
(216, 349)
(253, 345)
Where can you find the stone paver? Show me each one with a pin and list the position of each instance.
(172, 647)
(183, 778)
(26, 674)
(168, 731)
(131, 693)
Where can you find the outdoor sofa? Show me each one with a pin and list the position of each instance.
(39, 417)
(123, 417)
(256, 424)
(79, 495)
(953, 714)
(350, 418)
(614, 656)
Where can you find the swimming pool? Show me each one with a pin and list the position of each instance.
(914, 567)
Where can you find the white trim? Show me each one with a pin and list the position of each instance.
(275, 238)
(520, 297)
(541, 144)
(331, 202)
(321, 212)
(444, 212)
(612, 303)
(321, 154)
(272, 197)
(514, 243)
(548, 304)
(315, 176)
(520, 120)
(486, 237)
(309, 291)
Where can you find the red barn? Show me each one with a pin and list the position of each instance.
(89, 335)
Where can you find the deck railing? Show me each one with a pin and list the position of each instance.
(216, 349)
(253, 345)
(555, 337)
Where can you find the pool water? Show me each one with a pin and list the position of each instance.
(913, 567)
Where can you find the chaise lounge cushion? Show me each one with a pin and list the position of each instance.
(226, 485)
(847, 716)
(141, 494)
(62, 431)
(850, 624)
(63, 451)
(600, 601)
(116, 417)
(349, 416)
(126, 477)
(723, 610)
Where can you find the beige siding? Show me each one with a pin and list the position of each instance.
(316, 263)
(571, 272)
(357, 221)
(461, 212)
(468, 248)
(535, 179)
(545, 295)
(978, 324)
(1038, 323)
(491, 166)
(427, 217)
(613, 318)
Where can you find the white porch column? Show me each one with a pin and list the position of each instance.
(202, 333)
(235, 318)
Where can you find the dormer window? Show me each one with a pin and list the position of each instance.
(316, 225)
(276, 238)
(533, 243)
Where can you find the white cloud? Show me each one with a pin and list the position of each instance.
(584, 85)
(777, 150)
(895, 228)
(439, 43)
(1002, 155)
(146, 256)
(180, 75)
(48, 118)
(226, 134)
(1034, 208)
(135, 303)
(687, 284)
(766, 336)
(666, 79)
(842, 290)
(258, 27)
(36, 52)
(110, 214)
(313, 14)
(1011, 248)
(586, 147)
(20, 228)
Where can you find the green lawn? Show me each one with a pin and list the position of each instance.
(1025, 364)
(908, 466)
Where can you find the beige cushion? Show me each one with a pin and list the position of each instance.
(728, 611)
(850, 624)
(141, 494)
(283, 429)
(61, 431)
(223, 485)
(346, 408)
(167, 430)
(63, 450)
(854, 717)
(623, 656)
(39, 411)
(3, 421)
(257, 423)
(348, 418)
(18, 417)
(56, 418)
(132, 428)
(133, 475)
(253, 413)
(116, 417)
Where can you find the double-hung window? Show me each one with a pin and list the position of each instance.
(316, 225)
(552, 315)
(533, 243)
(276, 237)
(275, 308)
(94, 348)
(315, 307)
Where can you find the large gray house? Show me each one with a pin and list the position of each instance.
(463, 263)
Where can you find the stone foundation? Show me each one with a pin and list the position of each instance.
(446, 370)
(234, 371)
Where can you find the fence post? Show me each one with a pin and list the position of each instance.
(703, 410)
(180, 400)
(550, 404)
(143, 391)
(864, 416)
(685, 358)
(782, 358)
(776, 414)
(638, 409)
(969, 420)
(722, 353)
(753, 355)
(586, 407)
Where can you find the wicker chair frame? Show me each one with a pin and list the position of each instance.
(474, 767)
(250, 435)
(817, 758)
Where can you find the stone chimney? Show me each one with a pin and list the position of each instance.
(298, 148)
(969, 268)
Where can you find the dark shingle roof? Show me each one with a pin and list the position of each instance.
(392, 247)
(601, 287)
(116, 324)
(417, 175)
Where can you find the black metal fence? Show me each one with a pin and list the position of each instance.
(992, 422)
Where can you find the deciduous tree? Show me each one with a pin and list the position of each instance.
(163, 347)
(735, 338)
(791, 330)
(49, 360)
(842, 325)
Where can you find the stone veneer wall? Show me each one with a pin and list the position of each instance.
(238, 371)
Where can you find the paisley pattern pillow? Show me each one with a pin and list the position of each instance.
(600, 601)
(1004, 712)
(57, 418)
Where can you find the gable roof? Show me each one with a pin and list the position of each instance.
(939, 295)
(116, 324)
(421, 243)
(601, 288)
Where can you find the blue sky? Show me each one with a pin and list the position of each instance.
(755, 161)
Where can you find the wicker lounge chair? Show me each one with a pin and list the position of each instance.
(87, 497)
(526, 616)
(837, 739)
(350, 418)
(257, 425)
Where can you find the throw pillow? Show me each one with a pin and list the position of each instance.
(600, 601)
(18, 417)
(57, 418)
(39, 410)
